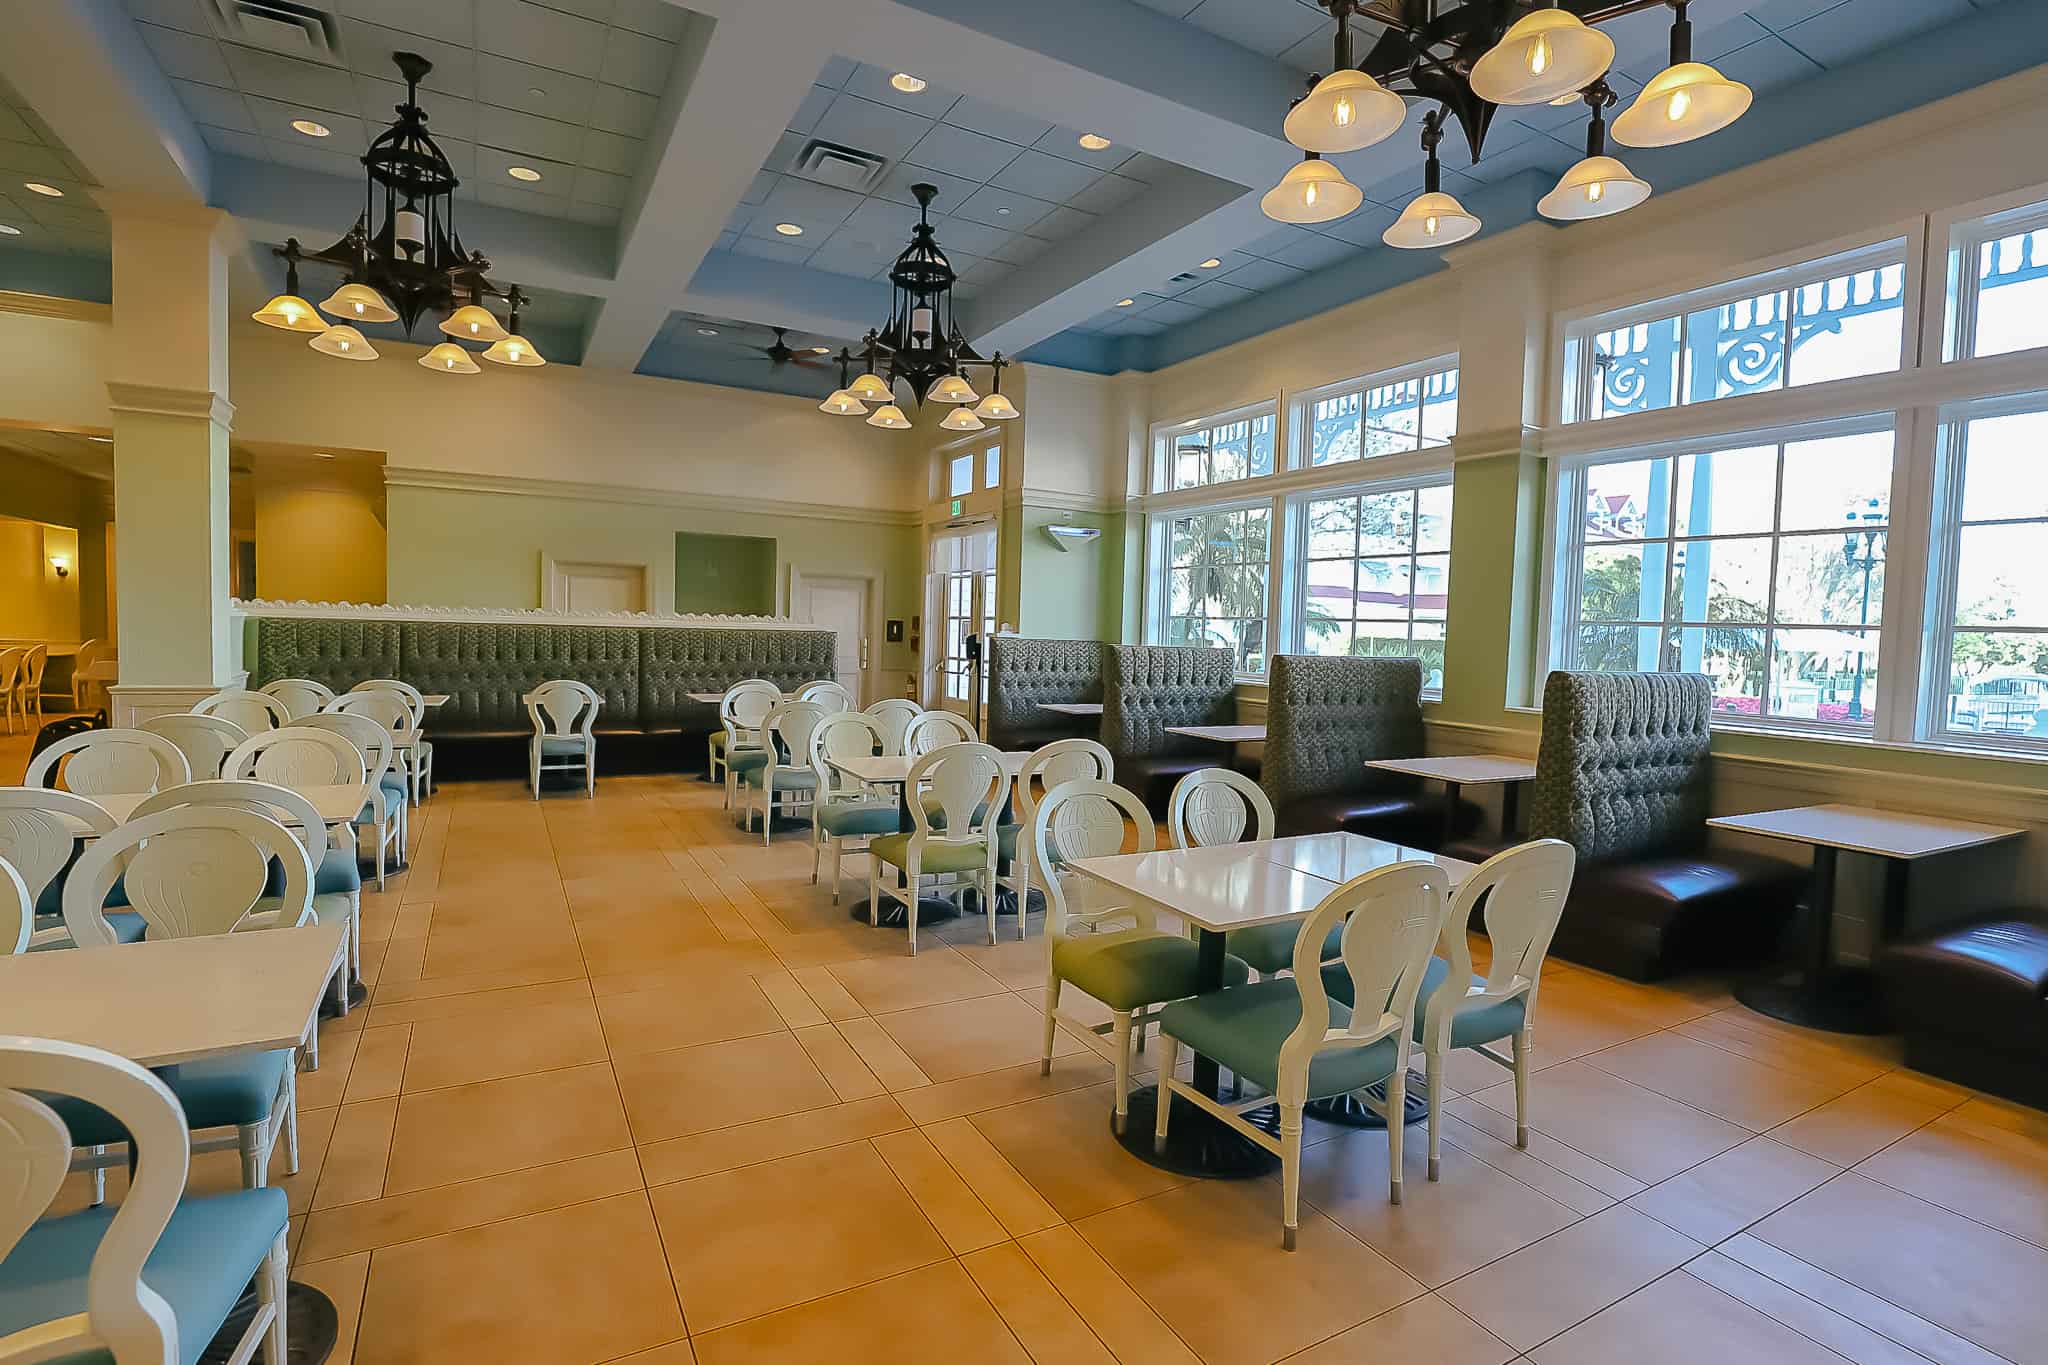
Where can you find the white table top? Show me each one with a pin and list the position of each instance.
(1222, 734)
(1861, 829)
(434, 699)
(337, 804)
(884, 770)
(1234, 886)
(175, 1000)
(1072, 708)
(1465, 769)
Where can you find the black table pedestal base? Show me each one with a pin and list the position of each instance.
(1845, 1000)
(1349, 1111)
(931, 911)
(311, 1327)
(1197, 1142)
(357, 994)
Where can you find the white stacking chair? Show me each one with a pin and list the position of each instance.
(563, 712)
(714, 764)
(89, 1286)
(384, 809)
(12, 661)
(1221, 806)
(952, 832)
(1063, 760)
(29, 684)
(894, 715)
(1522, 891)
(253, 711)
(741, 712)
(105, 762)
(206, 741)
(1390, 919)
(298, 756)
(302, 697)
(39, 830)
(85, 691)
(17, 911)
(845, 810)
(412, 756)
(929, 730)
(830, 694)
(787, 730)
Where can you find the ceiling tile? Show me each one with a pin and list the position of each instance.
(1311, 252)
(1021, 250)
(848, 259)
(596, 187)
(812, 110)
(1176, 9)
(1169, 311)
(368, 48)
(656, 18)
(1147, 168)
(985, 272)
(836, 72)
(517, 132)
(881, 222)
(979, 116)
(636, 61)
(610, 152)
(308, 157)
(872, 83)
(1062, 222)
(1268, 27)
(210, 104)
(14, 127)
(509, 195)
(1005, 209)
(286, 78)
(1216, 294)
(446, 23)
(774, 249)
(1362, 227)
(871, 127)
(556, 178)
(783, 157)
(959, 235)
(1066, 142)
(186, 56)
(1780, 15)
(233, 143)
(618, 110)
(1257, 274)
(275, 119)
(819, 209)
(1536, 153)
(1046, 177)
(1837, 36)
(597, 215)
(1108, 192)
(764, 184)
(959, 152)
(1768, 63)
(953, 191)
(534, 89)
(189, 15)
(34, 160)
(543, 37)
(736, 221)
(1273, 242)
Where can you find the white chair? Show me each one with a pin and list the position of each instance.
(1523, 891)
(1220, 806)
(833, 696)
(39, 830)
(384, 813)
(29, 686)
(1063, 760)
(17, 911)
(894, 715)
(85, 691)
(930, 729)
(1287, 1036)
(787, 729)
(302, 697)
(206, 741)
(563, 712)
(412, 756)
(845, 810)
(741, 712)
(298, 756)
(11, 663)
(154, 1282)
(255, 712)
(714, 766)
(103, 762)
(953, 835)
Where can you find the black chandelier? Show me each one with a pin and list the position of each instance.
(921, 345)
(1470, 59)
(403, 258)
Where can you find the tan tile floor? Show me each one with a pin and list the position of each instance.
(629, 1088)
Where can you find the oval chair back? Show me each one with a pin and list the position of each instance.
(787, 731)
(828, 693)
(302, 697)
(415, 700)
(385, 706)
(1063, 760)
(39, 832)
(255, 712)
(102, 762)
(1086, 819)
(1520, 893)
(32, 674)
(11, 661)
(1217, 806)
(297, 756)
(81, 663)
(562, 707)
(894, 715)
(192, 871)
(264, 798)
(372, 740)
(743, 709)
(124, 1317)
(17, 911)
(964, 784)
(206, 741)
(931, 729)
(835, 738)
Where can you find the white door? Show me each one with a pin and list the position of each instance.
(583, 586)
(840, 605)
(961, 601)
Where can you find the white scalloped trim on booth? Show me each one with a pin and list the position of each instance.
(357, 611)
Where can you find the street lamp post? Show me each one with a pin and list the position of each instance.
(1863, 548)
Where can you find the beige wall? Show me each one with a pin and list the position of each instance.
(35, 604)
(318, 544)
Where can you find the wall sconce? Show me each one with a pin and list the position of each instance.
(61, 565)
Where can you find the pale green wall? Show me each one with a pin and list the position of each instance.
(724, 574)
(1073, 594)
(451, 547)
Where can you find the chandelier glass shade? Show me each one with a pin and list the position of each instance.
(473, 322)
(842, 404)
(870, 388)
(1347, 110)
(290, 312)
(954, 389)
(1597, 187)
(1543, 55)
(343, 342)
(448, 358)
(358, 303)
(962, 419)
(996, 408)
(1684, 101)
(1314, 191)
(890, 417)
(1431, 220)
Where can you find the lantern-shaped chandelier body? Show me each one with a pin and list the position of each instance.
(923, 342)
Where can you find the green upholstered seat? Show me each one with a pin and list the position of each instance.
(745, 761)
(1502, 1019)
(1269, 948)
(561, 744)
(1243, 1029)
(222, 1093)
(337, 875)
(1131, 967)
(894, 849)
(802, 780)
(206, 1256)
(851, 819)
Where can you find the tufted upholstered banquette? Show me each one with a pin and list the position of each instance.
(1024, 673)
(1325, 717)
(1149, 687)
(644, 673)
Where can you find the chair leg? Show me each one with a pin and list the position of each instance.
(533, 769)
(253, 1140)
(1120, 1039)
(817, 854)
(1169, 1062)
(1052, 1023)
(988, 898)
(381, 845)
(914, 884)
(1397, 1103)
(99, 1178)
(1023, 892)
(291, 1122)
(838, 867)
(1432, 1067)
(1523, 1043)
(1290, 1173)
(590, 777)
(767, 809)
(874, 892)
(272, 1285)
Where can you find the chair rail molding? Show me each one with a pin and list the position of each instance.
(161, 401)
(364, 611)
(448, 480)
(50, 306)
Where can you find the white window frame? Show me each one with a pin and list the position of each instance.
(1163, 434)
(1301, 423)
(1158, 563)
(1957, 235)
(975, 444)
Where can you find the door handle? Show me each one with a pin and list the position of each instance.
(863, 652)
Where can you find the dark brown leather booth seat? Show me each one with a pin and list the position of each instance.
(1972, 1002)
(1415, 818)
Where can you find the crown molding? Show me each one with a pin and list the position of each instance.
(532, 616)
(1054, 500)
(1487, 445)
(448, 480)
(50, 306)
(159, 401)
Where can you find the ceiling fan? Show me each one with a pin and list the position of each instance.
(781, 353)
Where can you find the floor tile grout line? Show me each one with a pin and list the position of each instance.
(1791, 1327)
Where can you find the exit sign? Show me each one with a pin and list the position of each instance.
(956, 507)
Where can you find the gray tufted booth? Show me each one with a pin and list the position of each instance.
(1149, 687)
(1024, 673)
(1623, 774)
(1324, 718)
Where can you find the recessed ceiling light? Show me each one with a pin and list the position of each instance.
(1094, 142)
(38, 187)
(1125, 303)
(9, 230)
(821, 350)
(310, 128)
(907, 83)
(526, 173)
(1211, 263)
(536, 92)
(707, 331)
(322, 455)
(1004, 212)
(789, 229)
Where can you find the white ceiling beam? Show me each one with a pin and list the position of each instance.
(736, 86)
(82, 66)
(774, 294)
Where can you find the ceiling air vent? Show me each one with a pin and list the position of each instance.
(843, 168)
(279, 26)
(1185, 277)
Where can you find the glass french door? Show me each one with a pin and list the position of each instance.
(963, 602)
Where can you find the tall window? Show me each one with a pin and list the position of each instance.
(1409, 411)
(1375, 574)
(965, 466)
(1216, 450)
(1998, 284)
(1216, 566)
(1760, 562)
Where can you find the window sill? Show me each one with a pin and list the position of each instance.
(1819, 736)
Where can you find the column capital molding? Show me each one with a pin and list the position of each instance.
(132, 204)
(1487, 445)
(170, 402)
(50, 306)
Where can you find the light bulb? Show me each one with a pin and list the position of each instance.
(1679, 107)
(1539, 56)
(1308, 195)
(1595, 190)
(1429, 226)
(1344, 112)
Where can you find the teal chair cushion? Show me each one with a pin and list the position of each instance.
(126, 924)
(786, 779)
(1502, 1019)
(744, 761)
(1270, 947)
(556, 746)
(859, 820)
(337, 875)
(894, 849)
(935, 811)
(1243, 1029)
(207, 1255)
(227, 1092)
(393, 784)
(1133, 967)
